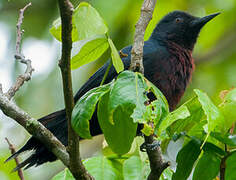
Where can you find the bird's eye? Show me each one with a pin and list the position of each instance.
(177, 20)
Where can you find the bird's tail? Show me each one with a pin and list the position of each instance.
(57, 124)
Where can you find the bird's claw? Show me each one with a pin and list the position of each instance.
(151, 147)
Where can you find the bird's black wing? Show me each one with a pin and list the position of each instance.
(56, 122)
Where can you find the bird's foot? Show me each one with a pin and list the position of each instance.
(151, 147)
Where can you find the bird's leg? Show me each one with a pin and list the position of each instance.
(151, 147)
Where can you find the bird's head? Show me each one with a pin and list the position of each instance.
(181, 28)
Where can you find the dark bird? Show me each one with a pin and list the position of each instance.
(168, 63)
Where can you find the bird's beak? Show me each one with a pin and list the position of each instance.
(200, 22)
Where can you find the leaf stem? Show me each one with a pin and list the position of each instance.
(106, 73)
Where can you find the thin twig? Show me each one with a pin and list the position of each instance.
(137, 49)
(76, 167)
(12, 149)
(18, 56)
(18, 28)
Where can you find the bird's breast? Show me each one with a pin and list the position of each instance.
(171, 72)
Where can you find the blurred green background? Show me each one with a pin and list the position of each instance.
(215, 56)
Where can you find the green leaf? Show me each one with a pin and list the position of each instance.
(102, 168)
(197, 130)
(119, 134)
(180, 113)
(230, 171)
(213, 115)
(207, 167)
(88, 22)
(128, 90)
(167, 174)
(64, 175)
(185, 160)
(55, 30)
(88, 50)
(125, 105)
(132, 168)
(213, 148)
(159, 107)
(226, 139)
(228, 109)
(116, 60)
(186, 124)
(85, 108)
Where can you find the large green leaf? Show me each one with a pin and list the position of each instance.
(64, 175)
(119, 134)
(207, 167)
(116, 60)
(213, 115)
(102, 168)
(186, 124)
(185, 160)
(204, 116)
(55, 30)
(132, 168)
(88, 22)
(180, 113)
(230, 171)
(85, 108)
(130, 89)
(226, 139)
(88, 50)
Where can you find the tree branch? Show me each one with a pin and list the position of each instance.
(10, 109)
(76, 167)
(137, 49)
(18, 28)
(18, 56)
(12, 149)
(35, 128)
(157, 164)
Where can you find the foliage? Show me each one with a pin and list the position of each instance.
(212, 75)
(199, 121)
(124, 103)
(121, 104)
(90, 37)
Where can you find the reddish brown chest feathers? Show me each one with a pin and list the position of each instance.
(176, 74)
(183, 66)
